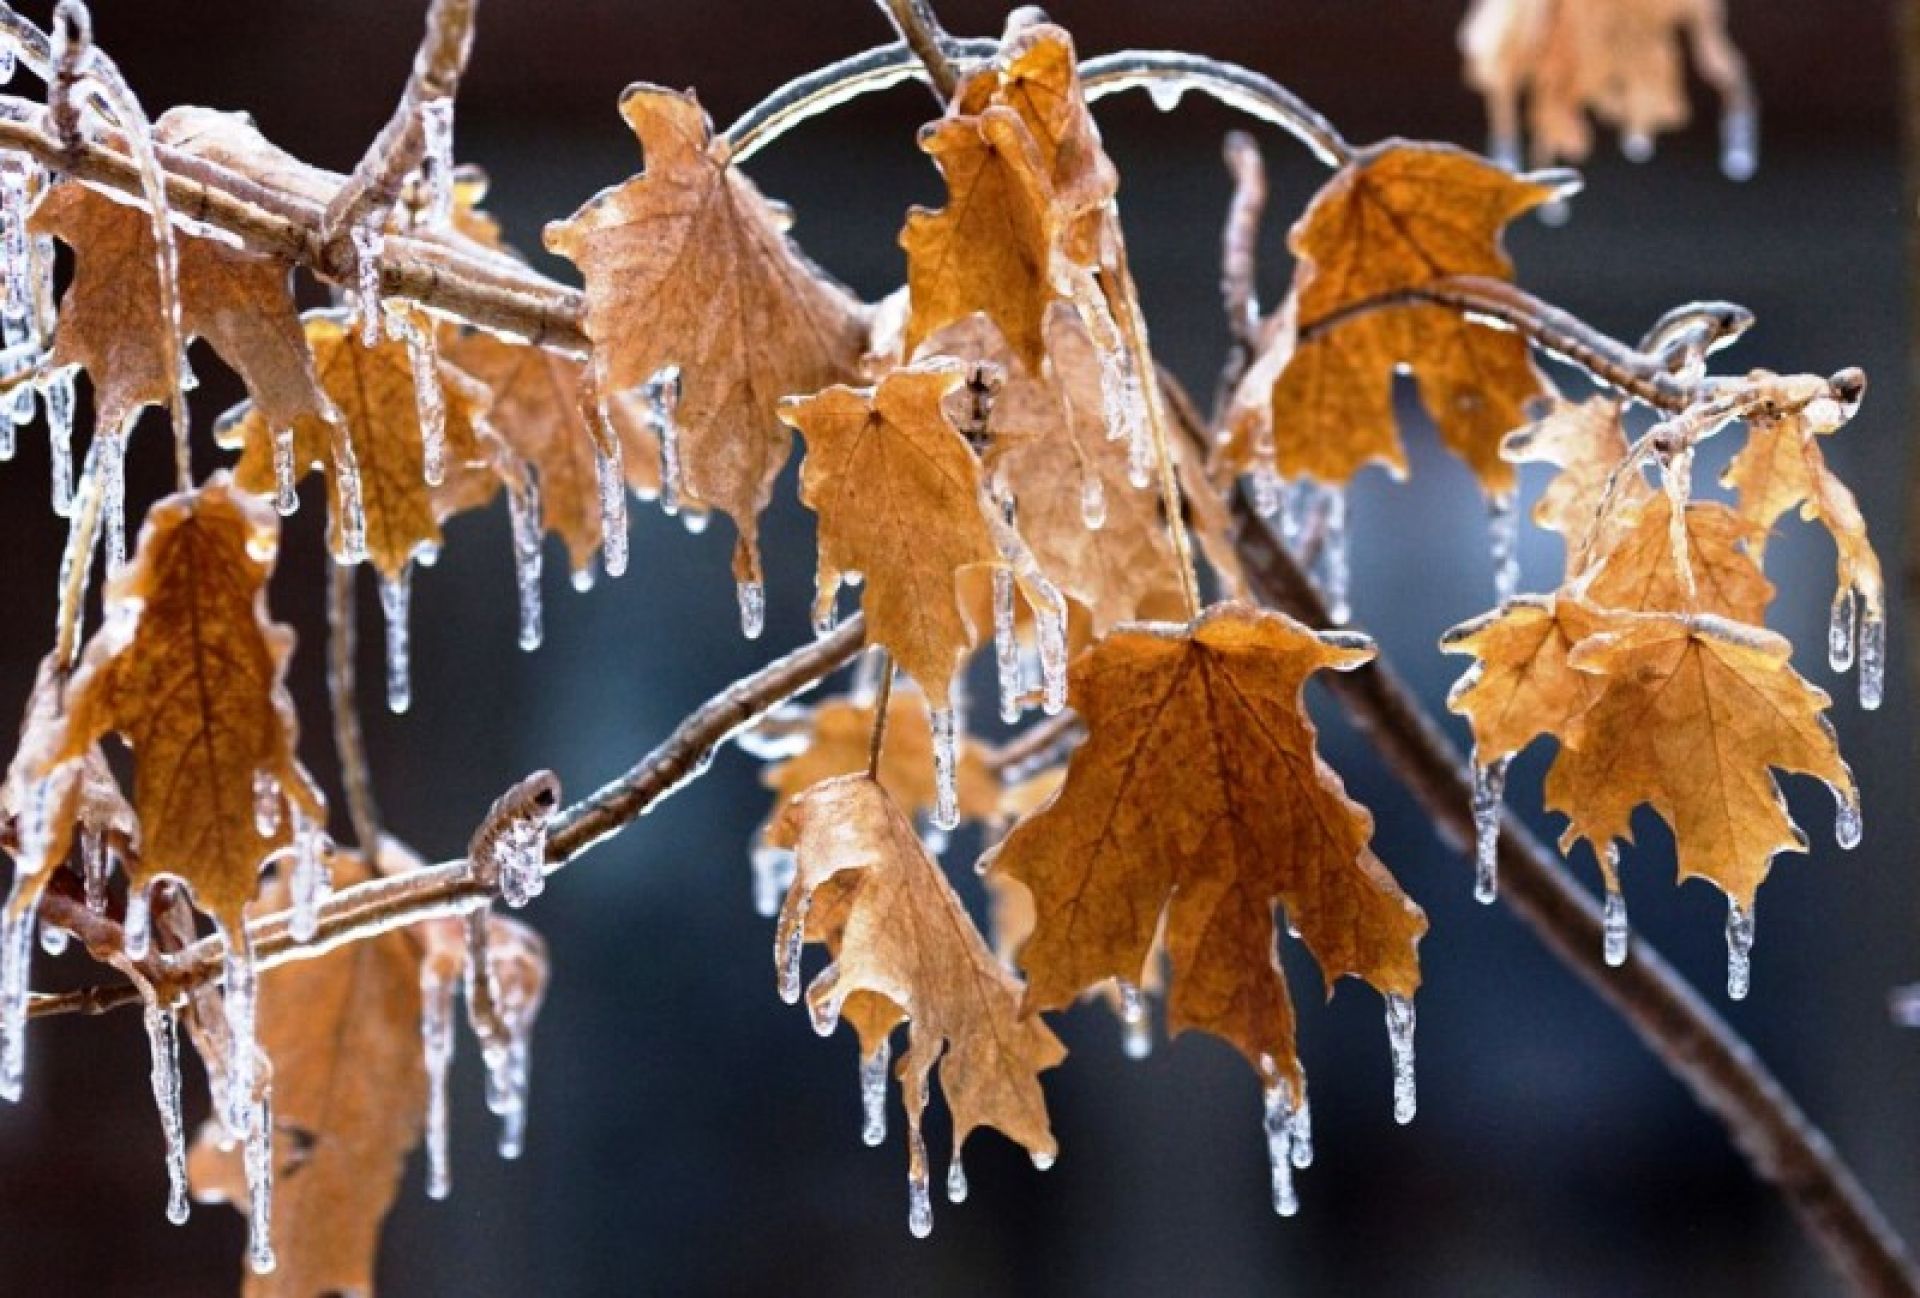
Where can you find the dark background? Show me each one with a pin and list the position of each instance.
(689, 1133)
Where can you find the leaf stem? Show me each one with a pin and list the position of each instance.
(882, 696)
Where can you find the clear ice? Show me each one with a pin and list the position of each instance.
(163, 1050)
(1739, 950)
(395, 595)
(1489, 788)
(437, 1041)
(1400, 1038)
(873, 1094)
(523, 508)
(946, 759)
(1006, 647)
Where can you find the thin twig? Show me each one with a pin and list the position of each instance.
(914, 21)
(876, 741)
(343, 702)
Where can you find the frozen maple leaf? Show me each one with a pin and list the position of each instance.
(1200, 793)
(1642, 570)
(349, 1100)
(111, 317)
(903, 948)
(1585, 442)
(1617, 59)
(49, 801)
(1397, 217)
(688, 267)
(533, 404)
(189, 671)
(1523, 684)
(898, 492)
(372, 451)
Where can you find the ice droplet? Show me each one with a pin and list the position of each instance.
(53, 940)
(753, 608)
(1843, 625)
(436, 159)
(946, 760)
(266, 803)
(285, 499)
(1400, 1038)
(1636, 146)
(772, 873)
(1503, 149)
(437, 1042)
(1165, 94)
(789, 944)
(1042, 1160)
(1489, 788)
(1614, 928)
(1336, 574)
(1873, 656)
(94, 867)
(956, 1180)
(583, 579)
(1846, 818)
(1503, 540)
(16, 961)
(136, 931)
(1278, 1122)
(873, 1094)
(1739, 144)
(1093, 502)
(1739, 950)
(919, 1187)
(395, 595)
(1006, 647)
(163, 1052)
(523, 510)
(57, 391)
(369, 245)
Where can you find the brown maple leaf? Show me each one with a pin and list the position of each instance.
(1586, 442)
(1782, 467)
(190, 672)
(1397, 217)
(349, 1099)
(902, 947)
(898, 492)
(376, 427)
(111, 321)
(533, 404)
(1642, 573)
(1523, 684)
(688, 266)
(49, 800)
(1199, 793)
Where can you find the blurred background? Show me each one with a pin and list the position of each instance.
(689, 1133)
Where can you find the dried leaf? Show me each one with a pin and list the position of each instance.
(111, 321)
(1199, 792)
(1641, 573)
(46, 810)
(1781, 467)
(899, 938)
(898, 491)
(1524, 684)
(372, 392)
(687, 265)
(349, 1104)
(1585, 441)
(190, 672)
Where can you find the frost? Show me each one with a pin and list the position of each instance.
(163, 1050)
(437, 1041)
(1400, 1038)
(395, 595)
(1739, 950)
(945, 724)
(1489, 787)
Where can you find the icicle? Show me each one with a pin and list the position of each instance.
(16, 180)
(1050, 629)
(53, 940)
(873, 1094)
(258, 1160)
(823, 1007)
(1614, 925)
(1739, 950)
(583, 578)
(1503, 539)
(1302, 1130)
(1006, 647)
(436, 160)
(1636, 146)
(1093, 502)
(1123, 398)
(240, 1003)
(136, 931)
(695, 521)
(773, 869)
(429, 400)
(1041, 1160)
(57, 391)
(919, 1187)
(1299, 501)
(787, 955)
(94, 867)
(369, 245)
(437, 1041)
(946, 759)
(266, 804)
(1843, 625)
(353, 512)
(112, 468)
(285, 498)
(1136, 1025)
(1846, 818)
(395, 594)
(1400, 1038)
(310, 882)
(1278, 1120)
(1739, 144)
(826, 604)
(1873, 655)
(662, 393)
(6, 434)
(611, 472)
(509, 1076)
(1503, 149)
(1489, 787)
(956, 1180)
(753, 608)
(163, 1050)
(16, 961)
(7, 61)
(1268, 492)
(523, 508)
(1335, 573)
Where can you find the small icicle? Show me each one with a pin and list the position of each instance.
(1136, 1024)
(1503, 540)
(257, 1157)
(310, 882)
(16, 962)
(1489, 788)
(1846, 818)
(53, 940)
(787, 955)
(395, 595)
(266, 804)
(437, 1039)
(919, 1186)
(285, 499)
(826, 605)
(611, 473)
(753, 608)
(509, 1078)
(583, 579)
(1873, 656)
(7, 61)
(1739, 144)
(873, 1094)
(1123, 398)
(1739, 950)
(773, 869)
(16, 178)
(1636, 146)
(1050, 629)
(662, 393)
(1302, 1126)
(1268, 492)
(523, 509)
(946, 759)
(163, 1051)
(353, 511)
(429, 400)
(519, 848)
(1093, 502)
(1279, 1128)
(956, 1180)
(1006, 647)
(1843, 625)
(1335, 572)
(94, 868)
(1614, 927)
(436, 159)
(137, 929)
(369, 245)
(57, 391)
(1400, 1038)
(824, 1008)
(112, 468)
(241, 1003)
(1166, 94)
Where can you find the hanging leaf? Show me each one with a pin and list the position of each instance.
(1641, 574)
(1781, 467)
(47, 800)
(189, 671)
(1586, 442)
(1199, 792)
(688, 266)
(1523, 684)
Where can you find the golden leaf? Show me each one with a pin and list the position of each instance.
(1780, 467)
(378, 425)
(901, 942)
(190, 672)
(349, 1102)
(1524, 684)
(533, 404)
(49, 800)
(687, 266)
(1641, 573)
(111, 321)
(1397, 217)
(1199, 792)
(898, 490)
(1586, 443)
